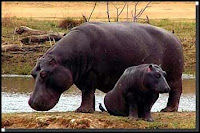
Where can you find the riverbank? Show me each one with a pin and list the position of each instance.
(97, 120)
(23, 61)
(177, 17)
(184, 76)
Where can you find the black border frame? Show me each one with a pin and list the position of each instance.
(136, 130)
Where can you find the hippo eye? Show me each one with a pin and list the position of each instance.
(164, 73)
(43, 74)
(158, 75)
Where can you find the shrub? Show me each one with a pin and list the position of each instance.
(69, 23)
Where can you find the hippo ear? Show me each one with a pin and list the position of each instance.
(149, 69)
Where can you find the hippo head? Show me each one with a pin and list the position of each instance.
(154, 79)
(51, 80)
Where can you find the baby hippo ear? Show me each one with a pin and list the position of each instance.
(149, 69)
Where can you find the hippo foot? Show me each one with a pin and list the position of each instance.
(84, 110)
(133, 118)
(169, 109)
(148, 119)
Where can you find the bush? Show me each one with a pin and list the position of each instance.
(69, 23)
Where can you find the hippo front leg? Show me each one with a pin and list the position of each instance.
(133, 112)
(146, 111)
(147, 114)
(174, 96)
(133, 106)
(87, 87)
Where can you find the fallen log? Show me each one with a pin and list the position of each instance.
(23, 29)
(41, 38)
(37, 36)
(10, 47)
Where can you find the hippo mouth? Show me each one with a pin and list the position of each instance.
(165, 90)
(43, 102)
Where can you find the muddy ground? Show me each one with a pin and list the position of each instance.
(97, 120)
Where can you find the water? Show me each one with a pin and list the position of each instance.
(16, 91)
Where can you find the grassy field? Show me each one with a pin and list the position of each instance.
(98, 120)
(47, 16)
(23, 62)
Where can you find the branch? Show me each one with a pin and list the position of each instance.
(143, 9)
(114, 5)
(84, 18)
(136, 16)
(147, 19)
(139, 13)
(127, 12)
(118, 13)
(135, 8)
(122, 8)
(92, 11)
(108, 12)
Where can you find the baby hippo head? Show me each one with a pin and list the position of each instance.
(154, 79)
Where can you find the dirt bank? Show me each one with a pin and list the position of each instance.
(98, 120)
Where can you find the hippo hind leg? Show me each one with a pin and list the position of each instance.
(88, 102)
(174, 95)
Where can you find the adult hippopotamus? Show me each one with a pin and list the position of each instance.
(136, 91)
(94, 55)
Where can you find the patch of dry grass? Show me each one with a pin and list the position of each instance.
(98, 120)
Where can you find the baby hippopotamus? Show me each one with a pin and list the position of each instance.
(136, 91)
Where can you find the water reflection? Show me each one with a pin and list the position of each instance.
(26, 85)
(15, 95)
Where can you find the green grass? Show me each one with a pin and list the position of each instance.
(11, 22)
(21, 69)
(184, 29)
(9, 25)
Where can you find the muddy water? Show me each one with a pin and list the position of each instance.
(16, 91)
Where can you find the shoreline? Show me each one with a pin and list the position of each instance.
(96, 120)
(184, 76)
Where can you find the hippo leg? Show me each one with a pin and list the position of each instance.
(87, 88)
(88, 102)
(174, 96)
(133, 106)
(133, 112)
(150, 100)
